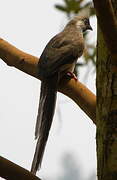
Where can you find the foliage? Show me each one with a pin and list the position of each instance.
(72, 7)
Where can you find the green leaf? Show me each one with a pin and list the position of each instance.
(61, 8)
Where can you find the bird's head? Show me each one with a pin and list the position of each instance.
(83, 23)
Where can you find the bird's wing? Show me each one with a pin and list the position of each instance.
(56, 54)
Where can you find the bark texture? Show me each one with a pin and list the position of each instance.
(11, 171)
(107, 22)
(106, 116)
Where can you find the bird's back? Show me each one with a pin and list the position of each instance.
(62, 49)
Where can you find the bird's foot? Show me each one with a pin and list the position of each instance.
(72, 75)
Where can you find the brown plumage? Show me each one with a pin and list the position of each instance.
(58, 58)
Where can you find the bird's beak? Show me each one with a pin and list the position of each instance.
(89, 27)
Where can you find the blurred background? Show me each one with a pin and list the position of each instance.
(71, 148)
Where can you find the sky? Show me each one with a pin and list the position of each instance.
(29, 25)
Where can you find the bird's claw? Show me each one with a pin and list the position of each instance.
(72, 75)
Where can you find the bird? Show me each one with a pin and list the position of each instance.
(58, 58)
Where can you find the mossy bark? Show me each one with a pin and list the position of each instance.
(106, 113)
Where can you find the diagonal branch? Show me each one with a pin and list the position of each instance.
(28, 64)
(107, 22)
(11, 171)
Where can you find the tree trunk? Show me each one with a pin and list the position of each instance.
(106, 110)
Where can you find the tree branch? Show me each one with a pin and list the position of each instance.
(108, 23)
(28, 64)
(11, 171)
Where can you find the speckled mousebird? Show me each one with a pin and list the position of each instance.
(58, 58)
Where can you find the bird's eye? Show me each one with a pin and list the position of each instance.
(86, 21)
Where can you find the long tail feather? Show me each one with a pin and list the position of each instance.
(44, 118)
